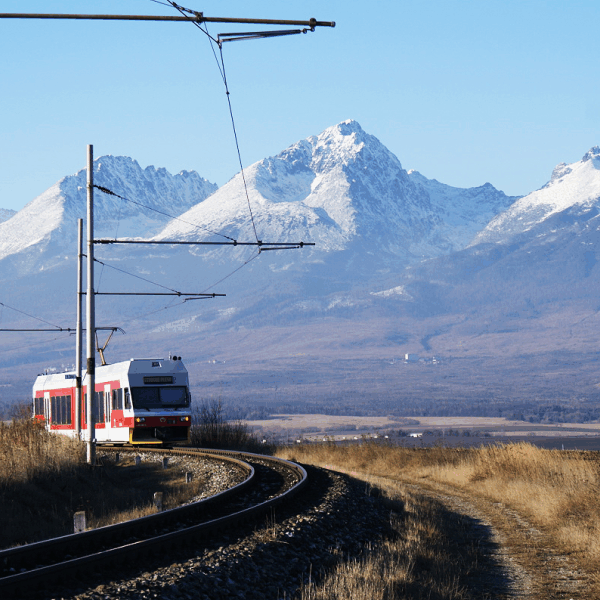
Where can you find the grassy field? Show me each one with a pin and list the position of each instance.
(44, 479)
(555, 491)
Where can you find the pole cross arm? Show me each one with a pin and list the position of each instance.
(195, 18)
(186, 243)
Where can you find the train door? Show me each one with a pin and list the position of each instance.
(107, 405)
(47, 409)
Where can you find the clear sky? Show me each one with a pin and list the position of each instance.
(466, 91)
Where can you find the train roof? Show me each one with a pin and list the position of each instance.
(133, 366)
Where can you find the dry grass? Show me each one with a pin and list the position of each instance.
(44, 479)
(418, 560)
(28, 451)
(556, 491)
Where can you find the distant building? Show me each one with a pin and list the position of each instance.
(415, 435)
(411, 357)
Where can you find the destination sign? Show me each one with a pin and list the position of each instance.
(159, 379)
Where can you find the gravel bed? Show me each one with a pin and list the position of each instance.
(330, 522)
(216, 476)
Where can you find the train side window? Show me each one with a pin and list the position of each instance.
(38, 407)
(127, 398)
(98, 407)
(68, 420)
(117, 399)
(52, 409)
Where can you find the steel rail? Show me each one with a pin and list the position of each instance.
(22, 557)
(39, 577)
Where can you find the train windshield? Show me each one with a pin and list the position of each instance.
(160, 397)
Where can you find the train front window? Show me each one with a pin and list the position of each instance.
(174, 396)
(158, 397)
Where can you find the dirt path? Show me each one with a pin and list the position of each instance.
(525, 565)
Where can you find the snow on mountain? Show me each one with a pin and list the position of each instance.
(463, 212)
(572, 190)
(329, 189)
(45, 230)
(344, 190)
(6, 214)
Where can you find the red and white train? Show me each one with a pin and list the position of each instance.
(138, 401)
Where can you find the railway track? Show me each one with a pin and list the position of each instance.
(44, 565)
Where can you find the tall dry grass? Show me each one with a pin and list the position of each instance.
(44, 479)
(417, 560)
(556, 491)
(28, 451)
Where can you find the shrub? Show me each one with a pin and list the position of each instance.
(210, 429)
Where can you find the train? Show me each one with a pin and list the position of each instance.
(136, 402)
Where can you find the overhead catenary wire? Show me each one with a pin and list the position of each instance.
(228, 96)
(232, 241)
(45, 342)
(262, 246)
(56, 327)
(136, 276)
(160, 212)
(233, 272)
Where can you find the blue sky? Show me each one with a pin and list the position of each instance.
(466, 92)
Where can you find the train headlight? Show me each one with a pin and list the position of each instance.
(184, 419)
(140, 419)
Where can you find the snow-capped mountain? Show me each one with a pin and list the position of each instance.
(345, 191)
(341, 190)
(401, 263)
(43, 232)
(6, 214)
(573, 192)
(463, 212)
(538, 256)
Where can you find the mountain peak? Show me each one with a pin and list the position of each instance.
(50, 218)
(559, 171)
(348, 127)
(592, 154)
(6, 214)
(573, 189)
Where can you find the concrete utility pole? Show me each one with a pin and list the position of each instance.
(78, 330)
(90, 316)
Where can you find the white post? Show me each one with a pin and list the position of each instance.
(78, 334)
(79, 522)
(90, 316)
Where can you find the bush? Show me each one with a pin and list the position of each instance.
(210, 429)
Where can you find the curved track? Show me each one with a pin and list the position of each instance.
(269, 481)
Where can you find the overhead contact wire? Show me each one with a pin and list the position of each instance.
(233, 272)
(237, 145)
(160, 212)
(136, 276)
(32, 316)
(221, 67)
